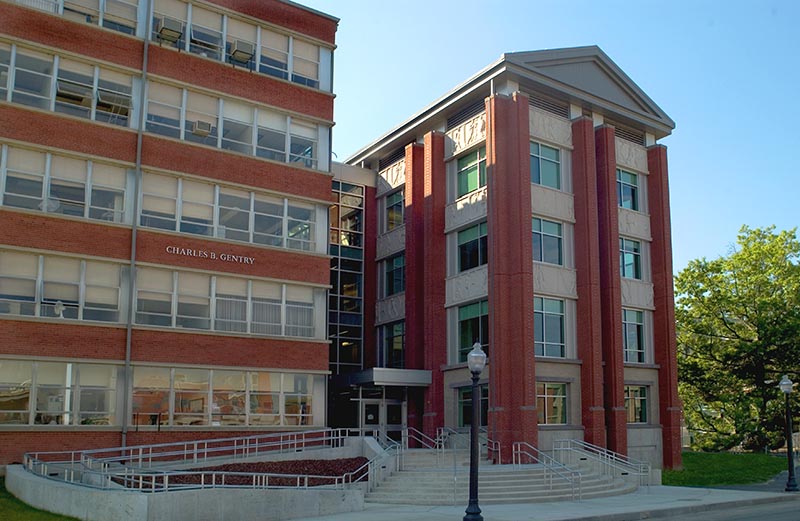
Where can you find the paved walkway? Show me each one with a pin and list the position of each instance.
(646, 503)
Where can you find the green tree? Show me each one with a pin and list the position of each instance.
(738, 331)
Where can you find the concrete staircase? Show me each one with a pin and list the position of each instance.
(431, 479)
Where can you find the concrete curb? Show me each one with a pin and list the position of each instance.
(656, 513)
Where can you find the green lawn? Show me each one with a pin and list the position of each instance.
(702, 469)
(12, 509)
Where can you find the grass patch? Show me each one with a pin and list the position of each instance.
(12, 509)
(703, 469)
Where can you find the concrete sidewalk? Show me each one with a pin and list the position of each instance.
(646, 503)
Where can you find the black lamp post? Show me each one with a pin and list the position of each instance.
(786, 386)
(476, 361)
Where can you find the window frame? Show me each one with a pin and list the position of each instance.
(541, 238)
(630, 258)
(539, 159)
(628, 192)
(394, 209)
(547, 394)
(540, 342)
(477, 247)
(468, 321)
(394, 275)
(470, 167)
(637, 398)
(634, 354)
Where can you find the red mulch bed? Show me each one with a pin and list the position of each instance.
(315, 467)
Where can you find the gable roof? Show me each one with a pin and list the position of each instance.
(588, 73)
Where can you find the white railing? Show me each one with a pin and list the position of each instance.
(611, 463)
(524, 453)
(139, 468)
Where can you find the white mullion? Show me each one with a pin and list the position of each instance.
(210, 397)
(95, 83)
(12, 65)
(283, 309)
(188, 36)
(212, 307)
(54, 83)
(174, 307)
(251, 216)
(171, 401)
(182, 122)
(285, 224)
(287, 143)
(223, 51)
(179, 205)
(216, 212)
(281, 401)
(290, 58)
(257, 55)
(70, 413)
(60, 7)
(34, 383)
(220, 119)
(39, 290)
(87, 196)
(3, 171)
(48, 162)
(249, 311)
(247, 389)
(254, 132)
(82, 289)
(101, 16)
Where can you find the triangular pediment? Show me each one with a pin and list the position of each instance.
(589, 70)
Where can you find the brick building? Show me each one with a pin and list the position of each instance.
(164, 192)
(528, 209)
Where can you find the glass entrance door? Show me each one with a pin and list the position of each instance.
(387, 416)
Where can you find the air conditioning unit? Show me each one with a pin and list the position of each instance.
(169, 29)
(201, 128)
(242, 51)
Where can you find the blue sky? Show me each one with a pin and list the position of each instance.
(727, 72)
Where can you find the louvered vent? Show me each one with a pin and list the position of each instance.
(467, 113)
(629, 134)
(392, 158)
(554, 107)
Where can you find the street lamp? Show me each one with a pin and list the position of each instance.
(786, 386)
(476, 361)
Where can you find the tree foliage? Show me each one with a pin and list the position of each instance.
(738, 331)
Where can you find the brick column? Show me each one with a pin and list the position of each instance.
(512, 412)
(414, 218)
(610, 292)
(587, 265)
(434, 274)
(664, 299)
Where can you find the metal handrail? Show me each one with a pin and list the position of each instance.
(492, 446)
(609, 460)
(551, 466)
(410, 433)
(105, 468)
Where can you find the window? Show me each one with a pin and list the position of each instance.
(465, 406)
(33, 77)
(551, 403)
(277, 136)
(151, 390)
(395, 209)
(306, 63)
(274, 54)
(229, 398)
(395, 275)
(636, 403)
(473, 326)
(206, 33)
(69, 184)
(628, 190)
(5, 63)
(394, 339)
(190, 405)
(58, 393)
(70, 288)
(301, 228)
(547, 242)
(630, 258)
(472, 247)
(297, 399)
(119, 15)
(240, 45)
(548, 327)
(234, 214)
(633, 335)
(275, 309)
(545, 165)
(265, 399)
(471, 172)
(159, 201)
(197, 208)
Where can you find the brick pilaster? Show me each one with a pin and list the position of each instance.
(414, 220)
(610, 291)
(513, 415)
(664, 299)
(434, 274)
(587, 265)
